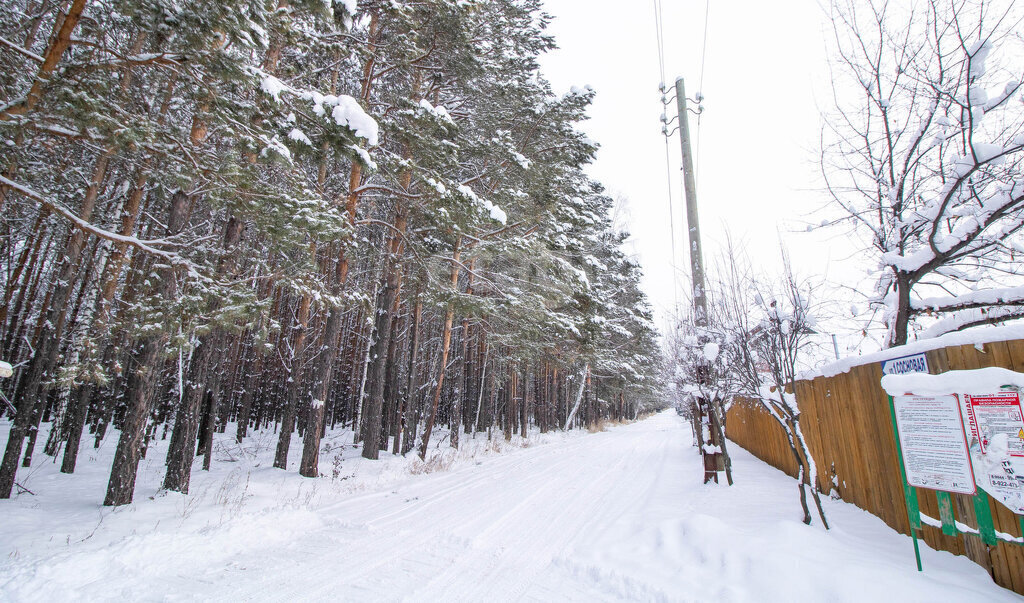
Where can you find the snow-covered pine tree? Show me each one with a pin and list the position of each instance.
(323, 254)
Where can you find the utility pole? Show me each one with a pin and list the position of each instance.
(713, 449)
(700, 304)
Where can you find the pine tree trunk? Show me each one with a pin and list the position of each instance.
(210, 420)
(50, 61)
(255, 371)
(294, 383)
(543, 392)
(181, 451)
(121, 487)
(397, 393)
(492, 414)
(558, 403)
(309, 466)
(481, 387)
(456, 392)
(510, 396)
(411, 395)
(469, 394)
(457, 407)
(379, 351)
(27, 257)
(390, 406)
(524, 411)
(78, 406)
(141, 383)
(446, 340)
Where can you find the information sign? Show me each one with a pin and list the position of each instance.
(931, 448)
(995, 428)
(933, 443)
(918, 363)
(997, 414)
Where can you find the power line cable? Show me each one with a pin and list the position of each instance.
(660, 35)
(704, 48)
(700, 93)
(661, 44)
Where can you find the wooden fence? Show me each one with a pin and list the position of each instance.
(848, 428)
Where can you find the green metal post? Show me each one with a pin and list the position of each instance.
(984, 513)
(946, 513)
(909, 494)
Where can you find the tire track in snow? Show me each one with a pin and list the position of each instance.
(574, 512)
(425, 546)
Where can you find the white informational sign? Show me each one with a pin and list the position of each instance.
(918, 363)
(934, 443)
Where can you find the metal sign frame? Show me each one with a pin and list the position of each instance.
(986, 529)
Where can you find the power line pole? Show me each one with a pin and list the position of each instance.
(700, 305)
(713, 449)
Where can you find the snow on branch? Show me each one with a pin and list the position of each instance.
(22, 51)
(146, 246)
(974, 317)
(974, 299)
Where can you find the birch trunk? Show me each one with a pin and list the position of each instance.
(579, 397)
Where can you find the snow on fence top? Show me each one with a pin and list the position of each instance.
(969, 337)
(976, 381)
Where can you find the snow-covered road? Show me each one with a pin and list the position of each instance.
(618, 515)
(505, 528)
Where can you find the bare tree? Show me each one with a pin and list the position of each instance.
(923, 155)
(766, 328)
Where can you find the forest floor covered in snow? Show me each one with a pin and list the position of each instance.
(616, 515)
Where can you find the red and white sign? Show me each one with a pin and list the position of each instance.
(996, 415)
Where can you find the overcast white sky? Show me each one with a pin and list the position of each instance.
(765, 81)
